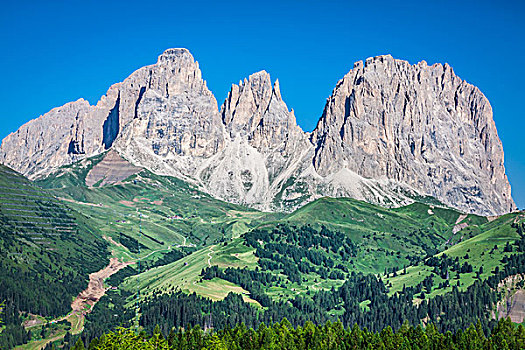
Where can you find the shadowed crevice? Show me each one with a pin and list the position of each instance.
(110, 128)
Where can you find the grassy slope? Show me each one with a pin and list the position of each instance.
(184, 274)
(385, 238)
(169, 212)
(47, 251)
(166, 210)
(484, 238)
(37, 229)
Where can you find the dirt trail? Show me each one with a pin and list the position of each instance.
(95, 290)
(83, 203)
(209, 256)
(461, 218)
(83, 303)
(112, 241)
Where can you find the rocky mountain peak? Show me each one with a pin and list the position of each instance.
(175, 56)
(255, 109)
(277, 90)
(246, 103)
(418, 125)
(78, 130)
(265, 144)
(389, 131)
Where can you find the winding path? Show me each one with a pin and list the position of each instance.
(209, 256)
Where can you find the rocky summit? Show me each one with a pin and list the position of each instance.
(390, 132)
(417, 125)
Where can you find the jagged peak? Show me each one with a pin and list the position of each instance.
(175, 55)
(80, 103)
(259, 85)
(260, 78)
(380, 58)
(371, 63)
(387, 63)
(262, 74)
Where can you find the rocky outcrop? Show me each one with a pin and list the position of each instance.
(255, 110)
(417, 125)
(390, 132)
(267, 145)
(78, 130)
(177, 124)
(512, 302)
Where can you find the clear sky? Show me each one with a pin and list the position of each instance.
(53, 52)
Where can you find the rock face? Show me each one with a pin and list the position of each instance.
(389, 132)
(419, 125)
(240, 154)
(78, 130)
(177, 124)
(259, 125)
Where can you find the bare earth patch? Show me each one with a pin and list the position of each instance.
(112, 241)
(33, 321)
(95, 290)
(82, 305)
(111, 170)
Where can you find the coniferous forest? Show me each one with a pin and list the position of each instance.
(282, 335)
(178, 320)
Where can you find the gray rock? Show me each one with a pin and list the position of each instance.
(389, 132)
(417, 125)
(78, 130)
(260, 124)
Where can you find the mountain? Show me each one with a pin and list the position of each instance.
(418, 125)
(390, 133)
(171, 87)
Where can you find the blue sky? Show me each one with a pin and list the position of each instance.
(54, 52)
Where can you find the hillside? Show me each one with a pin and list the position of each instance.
(319, 249)
(374, 239)
(300, 272)
(481, 250)
(47, 251)
(334, 258)
(169, 212)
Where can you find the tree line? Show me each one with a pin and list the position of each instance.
(329, 336)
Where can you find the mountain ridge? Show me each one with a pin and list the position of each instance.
(251, 151)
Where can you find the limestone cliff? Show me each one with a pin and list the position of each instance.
(390, 132)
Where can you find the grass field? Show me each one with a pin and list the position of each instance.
(160, 213)
(386, 237)
(485, 249)
(184, 274)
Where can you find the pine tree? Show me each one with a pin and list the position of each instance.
(79, 345)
